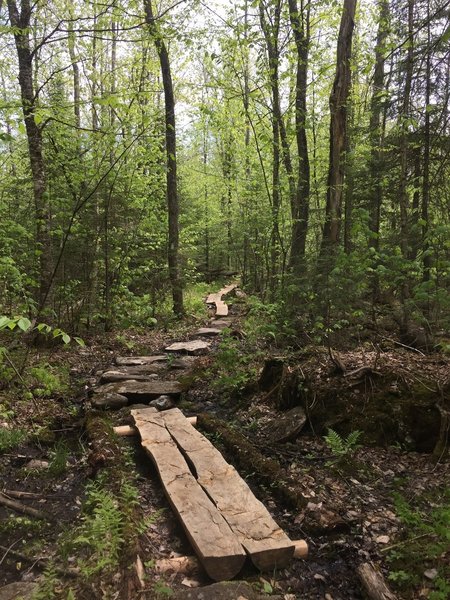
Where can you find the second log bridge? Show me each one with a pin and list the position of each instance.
(223, 520)
(216, 299)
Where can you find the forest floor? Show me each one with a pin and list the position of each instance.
(103, 505)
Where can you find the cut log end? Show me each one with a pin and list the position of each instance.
(300, 549)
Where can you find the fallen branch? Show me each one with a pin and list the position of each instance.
(27, 510)
(42, 563)
(361, 372)
(373, 583)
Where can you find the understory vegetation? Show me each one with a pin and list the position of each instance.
(152, 152)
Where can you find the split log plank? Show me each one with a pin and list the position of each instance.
(265, 542)
(131, 361)
(221, 306)
(217, 547)
(141, 390)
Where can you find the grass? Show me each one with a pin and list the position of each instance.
(11, 438)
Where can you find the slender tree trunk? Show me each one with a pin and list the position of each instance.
(271, 35)
(300, 207)
(338, 133)
(171, 152)
(20, 21)
(426, 159)
(76, 73)
(404, 145)
(376, 129)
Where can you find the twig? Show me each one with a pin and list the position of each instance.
(8, 550)
(400, 344)
(19, 507)
(413, 539)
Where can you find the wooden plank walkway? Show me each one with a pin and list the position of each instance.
(217, 547)
(180, 452)
(221, 306)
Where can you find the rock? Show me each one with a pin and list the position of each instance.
(431, 573)
(141, 390)
(140, 360)
(113, 376)
(221, 323)
(181, 363)
(225, 590)
(194, 347)
(109, 400)
(19, 589)
(382, 539)
(288, 426)
(208, 331)
(36, 464)
(162, 403)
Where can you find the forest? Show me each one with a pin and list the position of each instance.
(242, 204)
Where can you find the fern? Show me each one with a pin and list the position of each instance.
(340, 446)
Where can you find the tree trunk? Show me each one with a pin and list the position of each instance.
(21, 24)
(171, 145)
(426, 161)
(404, 146)
(338, 133)
(300, 207)
(271, 36)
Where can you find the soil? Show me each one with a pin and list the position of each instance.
(347, 509)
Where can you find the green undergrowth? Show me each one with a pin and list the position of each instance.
(101, 545)
(420, 559)
(11, 438)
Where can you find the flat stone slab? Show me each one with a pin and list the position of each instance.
(113, 376)
(140, 390)
(208, 331)
(139, 360)
(193, 347)
(222, 324)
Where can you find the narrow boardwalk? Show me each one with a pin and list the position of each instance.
(222, 519)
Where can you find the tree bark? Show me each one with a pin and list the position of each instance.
(338, 132)
(300, 206)
(376, 137)
(404, 145)
(271, 33)
(20, 21)
(171, 153)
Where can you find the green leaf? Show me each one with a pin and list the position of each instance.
(66, 338)
(79, 341)
(24, 323)
(4, 320)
